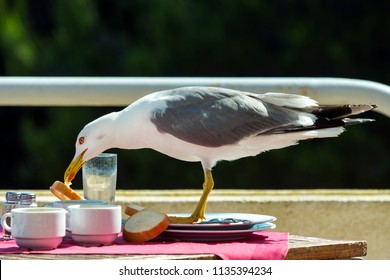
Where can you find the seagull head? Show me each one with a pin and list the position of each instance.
(93, 139)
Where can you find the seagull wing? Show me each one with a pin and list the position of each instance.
(214, 117)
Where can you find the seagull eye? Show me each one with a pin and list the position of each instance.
(81, 140)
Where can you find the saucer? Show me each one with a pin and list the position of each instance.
(66, 203)
(94, 240)
(38, 243)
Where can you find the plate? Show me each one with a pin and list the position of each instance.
(222, 221)
(213, 235)
(66, 203)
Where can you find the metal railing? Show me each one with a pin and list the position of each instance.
(121, 91)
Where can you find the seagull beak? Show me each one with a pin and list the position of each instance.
(73, 168)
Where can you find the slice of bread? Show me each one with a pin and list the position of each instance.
(63, 192)
(144, 226)
(131, 209)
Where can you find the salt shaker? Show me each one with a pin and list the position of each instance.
(27, 199)
(11, 201)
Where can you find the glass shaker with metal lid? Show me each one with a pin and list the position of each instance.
(12, 200)
(27, 199)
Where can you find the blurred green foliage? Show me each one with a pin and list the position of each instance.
(193, 38)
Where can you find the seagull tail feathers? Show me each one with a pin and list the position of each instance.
(334, 117)
(339, 112)
(348, 121)
(338, 116)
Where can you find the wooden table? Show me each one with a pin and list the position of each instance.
(300, 248)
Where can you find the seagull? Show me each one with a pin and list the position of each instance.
(211, 124)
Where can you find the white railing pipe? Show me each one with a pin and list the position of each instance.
(121, 91)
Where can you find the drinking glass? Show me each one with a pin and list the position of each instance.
(99, 178)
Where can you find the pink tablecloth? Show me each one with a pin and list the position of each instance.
(258, 246)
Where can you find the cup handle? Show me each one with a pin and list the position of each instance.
(4, 221)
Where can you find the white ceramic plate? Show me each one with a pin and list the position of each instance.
(213, 235)
(223, 221)
(66, 203)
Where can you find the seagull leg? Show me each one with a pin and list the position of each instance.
(208, 185)
(199, 213)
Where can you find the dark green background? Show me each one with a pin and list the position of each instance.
(193, 38)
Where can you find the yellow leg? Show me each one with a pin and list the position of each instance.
(199, 213)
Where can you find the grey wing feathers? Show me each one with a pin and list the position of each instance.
(214, 117)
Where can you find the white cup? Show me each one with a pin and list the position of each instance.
(37, 228)
(66, 203)
(94, 225)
